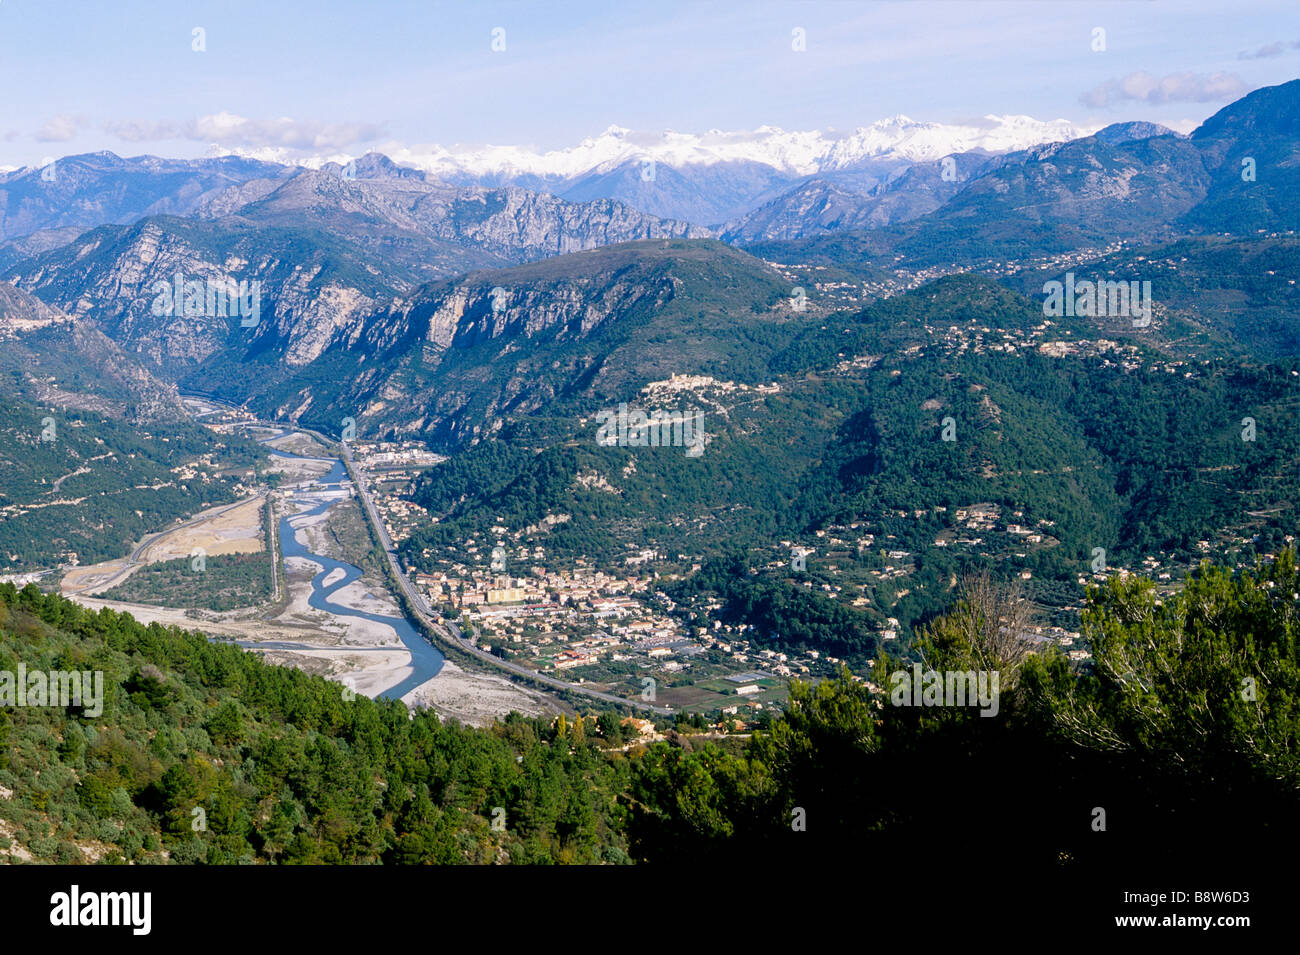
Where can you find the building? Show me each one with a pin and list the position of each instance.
(568, 659)
(641, 727)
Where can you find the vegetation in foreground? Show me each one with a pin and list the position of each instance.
(1185, 735)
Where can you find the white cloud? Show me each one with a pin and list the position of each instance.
(143, 131)
(227, 129)
(60, 129)
(233, 131)
(1174, 88)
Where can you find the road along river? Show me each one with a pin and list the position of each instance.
(426, 660)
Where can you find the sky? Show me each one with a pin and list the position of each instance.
(328, 78)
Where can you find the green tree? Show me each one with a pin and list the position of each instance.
(1207, 679)
(226, 724)
(610, 727)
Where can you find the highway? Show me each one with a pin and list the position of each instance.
(452, 633)
(448, 632)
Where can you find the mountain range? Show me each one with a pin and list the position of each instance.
(374, 258)
(513, 204)
(1236, 173)
(714, 177)
(798, 153)
(820, 205)
(704, 179)
(453, 313)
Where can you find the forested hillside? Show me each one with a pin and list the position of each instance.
(202, 753)
(1219, 294)
(885, 429)
(84, 484)
(285, 767)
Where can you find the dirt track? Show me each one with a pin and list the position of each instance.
(229, 529)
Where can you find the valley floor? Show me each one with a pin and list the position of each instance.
(366, 656)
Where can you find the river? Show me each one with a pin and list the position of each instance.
(426, 660)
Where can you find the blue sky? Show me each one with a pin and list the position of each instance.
(328, 76)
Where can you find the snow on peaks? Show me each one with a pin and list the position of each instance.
(799, 152)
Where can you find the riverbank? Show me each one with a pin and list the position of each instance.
(226, 529)
(365, 654)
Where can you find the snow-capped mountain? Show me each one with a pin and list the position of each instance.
(798, 153)
(712, 177)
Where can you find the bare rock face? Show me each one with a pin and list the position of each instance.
(510, 224)
(452, 358)
(324, 251)
(465, 314)
(124, 278)
(818, 207)
(235, 197)
(20, 312)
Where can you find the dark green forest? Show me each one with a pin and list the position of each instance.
(225, 582)
(203, 753)
(1134, 453)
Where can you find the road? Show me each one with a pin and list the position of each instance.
(134, 559)
(273, 545)
(450, 633)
